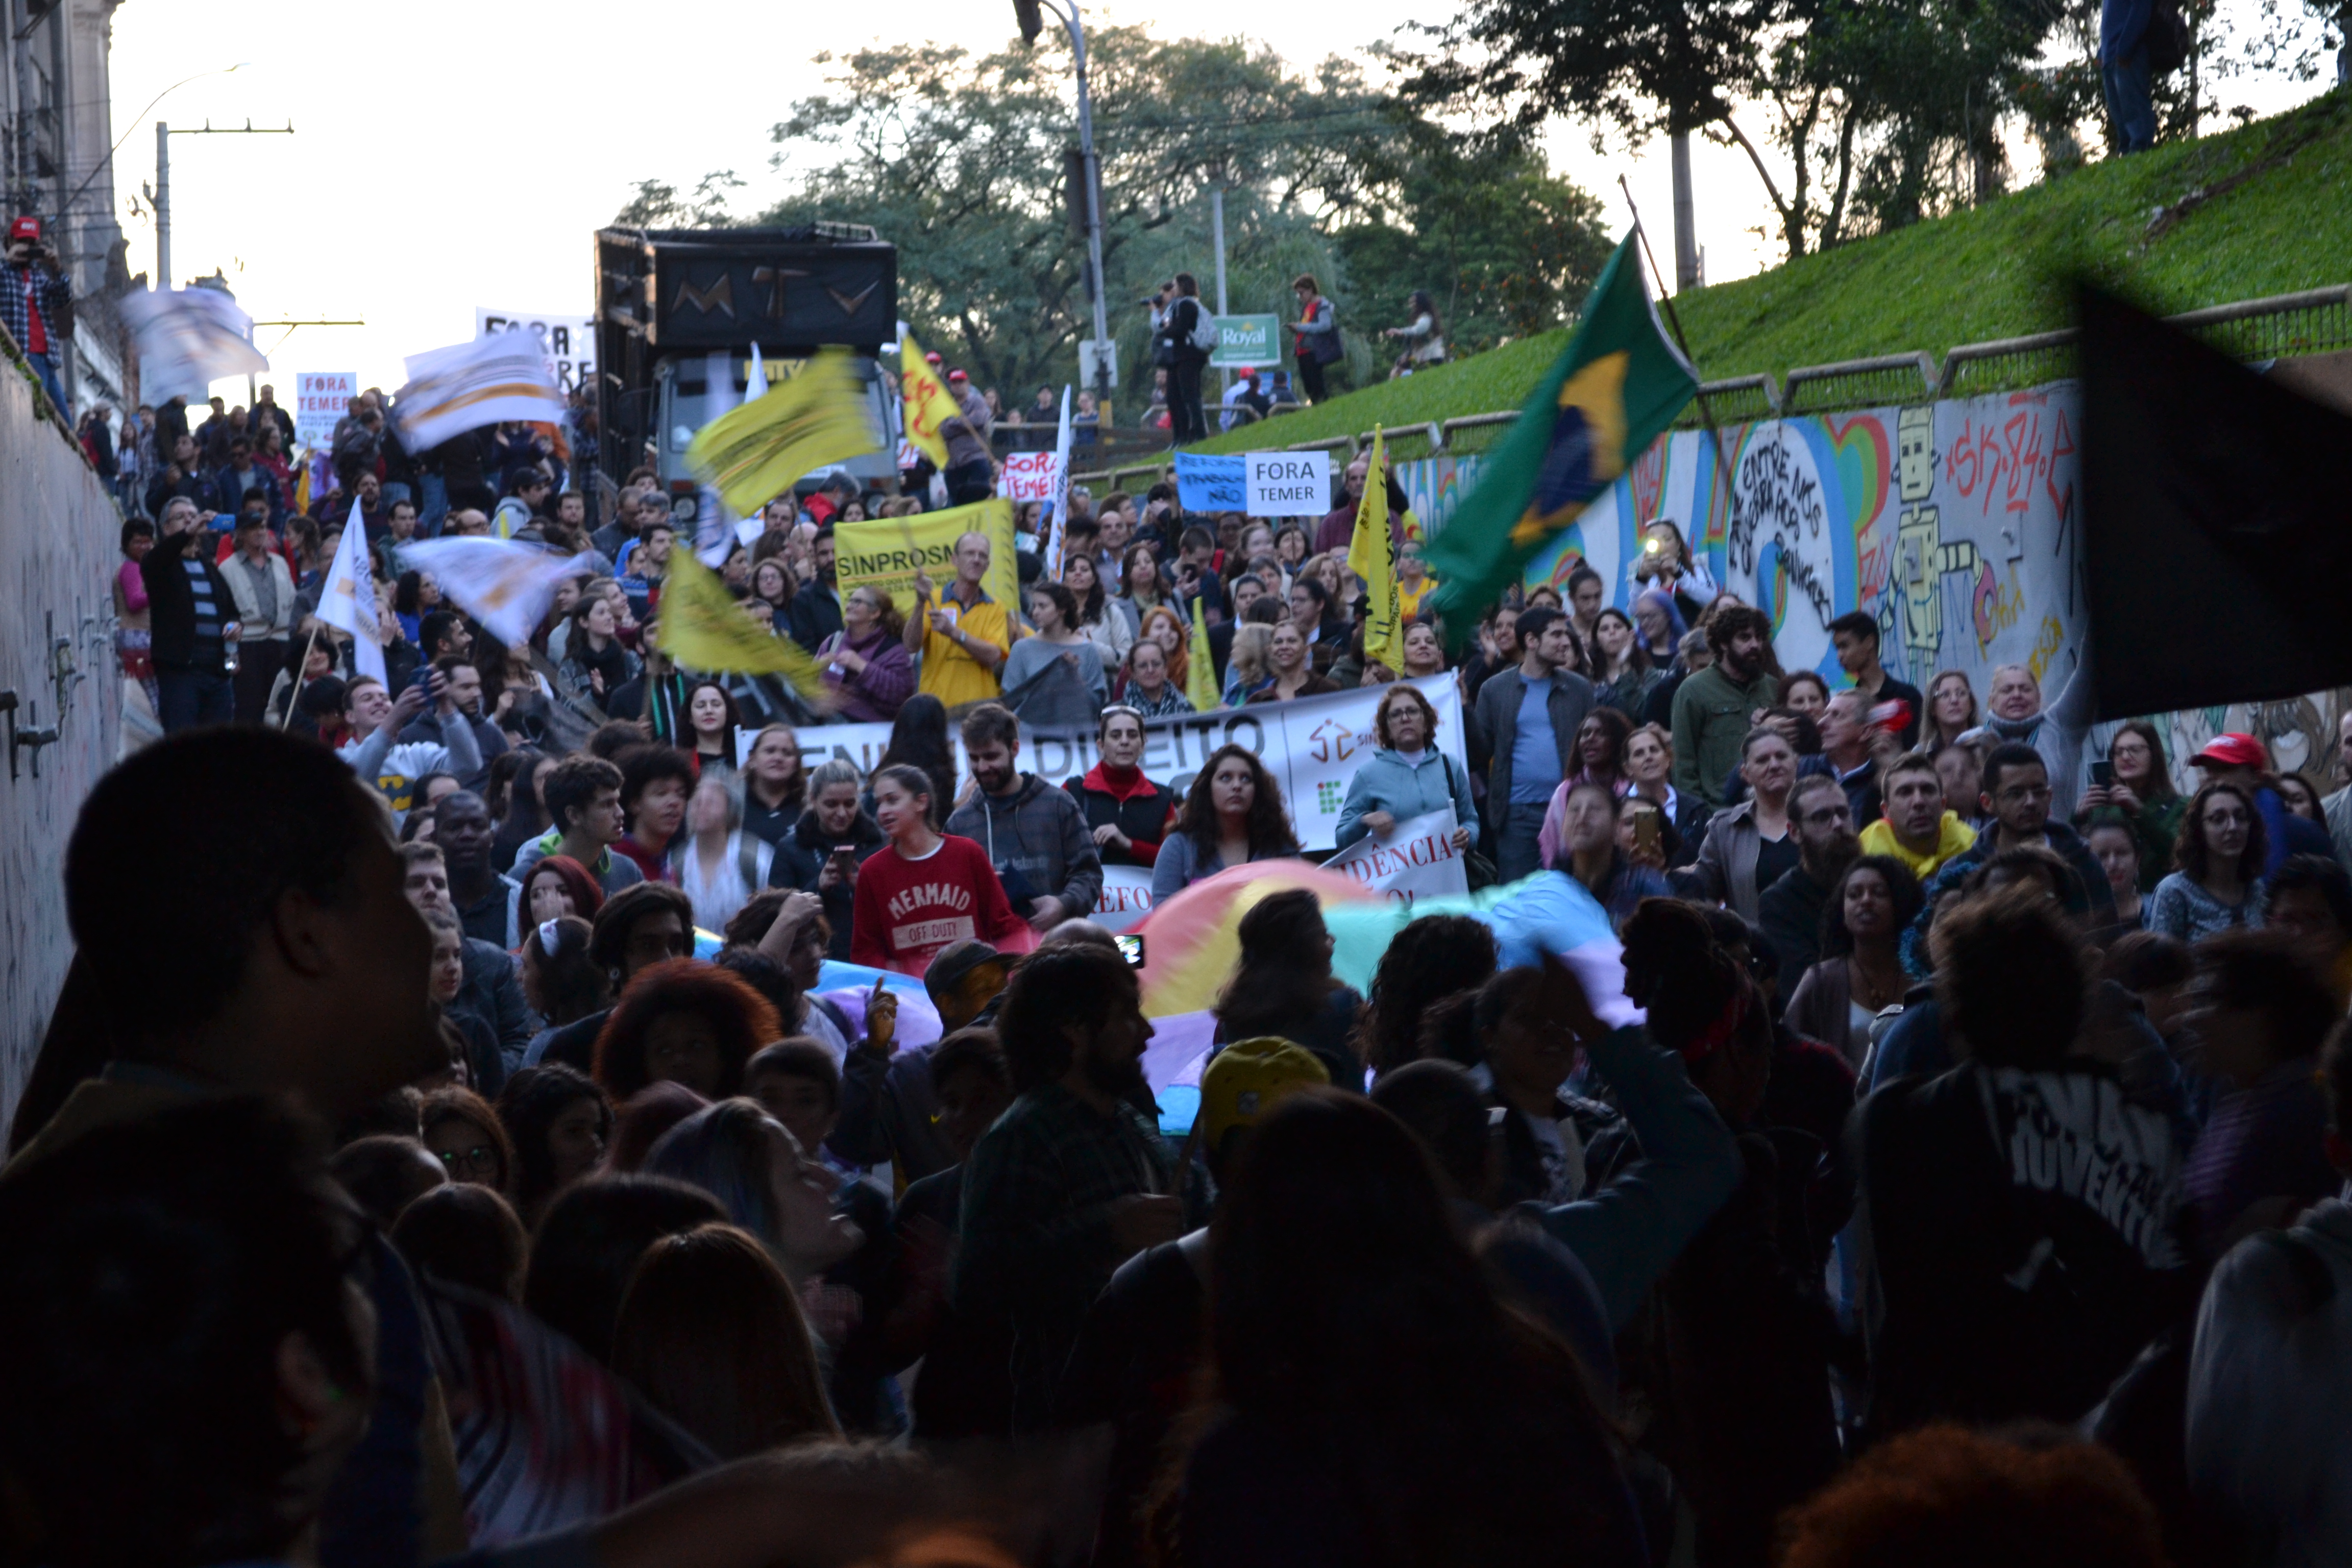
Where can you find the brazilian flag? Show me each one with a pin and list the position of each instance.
(1618, 387)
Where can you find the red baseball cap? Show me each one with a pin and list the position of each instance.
(2233, 751)
(958, 375)
(26, 227)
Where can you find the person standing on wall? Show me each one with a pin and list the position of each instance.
(1188, 322)
(1315, 336)
(969, 474)
(36, 295)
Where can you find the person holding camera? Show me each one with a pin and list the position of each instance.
(1187, 332)
(36, 295)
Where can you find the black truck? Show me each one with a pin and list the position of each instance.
(677, 308)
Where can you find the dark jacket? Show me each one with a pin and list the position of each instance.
(1038, 838)
(171, 604)
(1791, 911)
(889, 1113)
(492, 991)
(1495, 724)
(197, 486)
(1144, 814)
(800, 859)
(232, 494)
(2095, 900)
(814, 615)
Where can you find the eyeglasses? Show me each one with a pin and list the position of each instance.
(482, 1158)
(1828, 815)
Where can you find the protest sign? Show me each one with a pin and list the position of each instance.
(1312, 745)
(1288, 484)
(1027, 477)
(1212, 484)
(1126, 897)
(1414, 858)
(322, 397)
(569, 342)
(886, 551)
(1244, 342)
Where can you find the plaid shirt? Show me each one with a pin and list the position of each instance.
(1036, 1247)
(54, 295)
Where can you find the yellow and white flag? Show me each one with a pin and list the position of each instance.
(753, 453)
(348, 600)
(508, 587)
(1371, 555)
(466, 385)
(930, 405)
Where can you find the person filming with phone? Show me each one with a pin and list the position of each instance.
(36, 299)
(375, 751)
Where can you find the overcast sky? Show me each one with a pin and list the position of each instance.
(451, 155)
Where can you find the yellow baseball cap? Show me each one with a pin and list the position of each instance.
(1243, 1082)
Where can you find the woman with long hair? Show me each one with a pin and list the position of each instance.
(1145, 684)
(1290, 668)
(1142, 589)
(1422, 338)
(559, 980)
(414, 595)
(1282, 986)
(1649, 768)
(1475, 1441)
(720, 866)
(712, 720)
(2220, 852)
(558, 1122)
(1659, 622)
(512, 795)
(921, 861)
(1601, 744)
(774, 783)
(780, 1192)
(1056, 639)
(466, 1135)
(711, 1332)
(1292, 546)
(1951, 711)
(1233, 815)
(1623, 674)
(687, 1022)
(1432, 958)
(2141, 795)
(1098, 617)
(866, 661)
(1837, 1000)
(2114, 846)
(918, 739)
(1245, 661)
(596, 664)
(1666, 562)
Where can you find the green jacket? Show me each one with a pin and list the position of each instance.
(1711, 717)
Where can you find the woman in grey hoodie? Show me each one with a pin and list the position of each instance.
(1408, 775)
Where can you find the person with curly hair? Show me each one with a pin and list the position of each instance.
(686, 1022)
(1233, 814)
(1431, 958)
(2221, 850)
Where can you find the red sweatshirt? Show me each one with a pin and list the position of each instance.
(906, 910)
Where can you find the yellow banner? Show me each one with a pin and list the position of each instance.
(704, 628)
(929, 403)
(885, 552)
(1371, 555)
(1200, 666)
(753, 454)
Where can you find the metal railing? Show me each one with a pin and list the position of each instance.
(2281, 326)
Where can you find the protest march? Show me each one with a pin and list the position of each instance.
(705, 941)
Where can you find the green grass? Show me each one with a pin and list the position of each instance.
(1993, 271)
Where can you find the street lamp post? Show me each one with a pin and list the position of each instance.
(164, 134)
(1027, 12)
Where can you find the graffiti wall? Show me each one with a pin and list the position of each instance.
(1954, 525)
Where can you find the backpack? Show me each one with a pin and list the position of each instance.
(1203, 336)
(2166, 40)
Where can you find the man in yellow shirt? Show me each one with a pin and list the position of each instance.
(1916, 828)
(961, 637)
(1413, 581)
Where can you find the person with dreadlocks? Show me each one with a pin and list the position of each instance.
(1734, 1348)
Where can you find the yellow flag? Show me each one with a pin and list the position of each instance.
(1201, 673)
(929, 403)
(1371, 555)
(753, 453)
(703, 628)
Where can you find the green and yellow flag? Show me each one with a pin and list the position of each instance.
(1616, 389)
(753, 454)
(1371, 555)
(929, 403)
(703, 628)
(1201, 667)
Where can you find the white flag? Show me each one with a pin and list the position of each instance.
(348, 600)
(508, 587)
(1061, 502)
(755, 384)
(189, 337)
(466, 385)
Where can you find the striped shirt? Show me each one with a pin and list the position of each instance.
(210, 652)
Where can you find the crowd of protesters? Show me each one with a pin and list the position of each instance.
(491, 1172)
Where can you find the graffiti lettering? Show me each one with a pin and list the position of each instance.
(2046, 646)
(1775, 495)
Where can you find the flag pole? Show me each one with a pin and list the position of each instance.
(288, 722)
(1675, 320)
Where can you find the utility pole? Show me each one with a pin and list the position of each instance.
(250, 393)
(164, 134)
(1217, 235)
(1686, 269)
(1026, 12)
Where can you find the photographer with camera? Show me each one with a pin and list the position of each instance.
(35, 298)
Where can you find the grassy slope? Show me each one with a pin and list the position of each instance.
(1985, 273)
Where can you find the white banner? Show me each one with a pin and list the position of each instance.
(320, 398)
(188, 339)
(1288, 484)
(1028, 476)
(1126, 897)
(467, 386)
(568, 342)
(1312, 745)
(508, 587)
(1414, 860)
